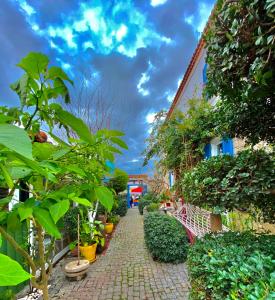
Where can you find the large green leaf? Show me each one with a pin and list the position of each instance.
(24, 212)
(5, 201)
(45, 220)
(59, 209)
(7, 176)
(105, 197)
(18, 172)
(42, 151)
(34, 64)
(56, 72)
(76, 170)
(110, 133)
(16, 139)
(76, 124)
(60, 153)
(119, 142)
(5, 119)
(11, 273)
(82, 201)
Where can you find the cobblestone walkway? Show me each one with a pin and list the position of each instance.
(127, 271)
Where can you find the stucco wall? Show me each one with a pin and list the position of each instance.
(194, 85)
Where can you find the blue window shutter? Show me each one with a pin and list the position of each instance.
(227, 146)
(207, 151)
(204, 74)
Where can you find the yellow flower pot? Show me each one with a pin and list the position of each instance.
(109, 227)
(88, 252)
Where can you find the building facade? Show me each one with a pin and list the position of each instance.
(191, 86)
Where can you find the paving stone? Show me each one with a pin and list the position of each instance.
(126, 271)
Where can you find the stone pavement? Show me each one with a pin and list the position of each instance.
(126, 271)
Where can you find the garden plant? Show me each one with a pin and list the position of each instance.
(56, 174)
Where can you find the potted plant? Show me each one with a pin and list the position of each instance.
(111, 221)
(90, 237)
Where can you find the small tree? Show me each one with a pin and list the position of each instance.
(119, 181)
(56, 175)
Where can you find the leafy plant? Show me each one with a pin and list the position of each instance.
(240, 56)
(232, 266)
(152, 207)
(113, 219)
(165, 238)
(121, 208)
(68, 171)
(178, 141)
(119, 181)
(70, 222)
(90, 235)
(224, 183)
(147, 199)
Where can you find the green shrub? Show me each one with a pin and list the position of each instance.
(232, 266)
(243, 181)
(152, 207)
(113, 219)
(121, 208)
(142, 203)
(146, 200)
(165, 238)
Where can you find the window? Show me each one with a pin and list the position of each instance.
(204, 74)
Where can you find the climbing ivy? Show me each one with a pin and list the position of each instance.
(240, 45)
(178, 142)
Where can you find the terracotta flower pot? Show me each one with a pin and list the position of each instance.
(109, 227)
(89, 252)
(215, 222)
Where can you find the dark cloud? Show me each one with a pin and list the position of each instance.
(163, 61)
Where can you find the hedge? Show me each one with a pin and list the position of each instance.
(165, 238)
(122, 207)
(232, 266)
(245, 181)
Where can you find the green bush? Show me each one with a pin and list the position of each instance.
(142, 203)
(243, 181)
(152, 207)
(165, 238)
(232, 266)
(122, 207)
(113, 219)
(146, 200)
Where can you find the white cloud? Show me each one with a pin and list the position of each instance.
(29, 10)
(121, 32)
(150, 117)
(101, 25)
(189, 20)
(169, 96)
(134, 160)
(204, 11)
(88, 44)
(143, 79)
(157, 2)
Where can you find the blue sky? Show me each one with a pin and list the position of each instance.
(128, 54)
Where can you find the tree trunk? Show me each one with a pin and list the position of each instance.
(215, 222)
(41, 250)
